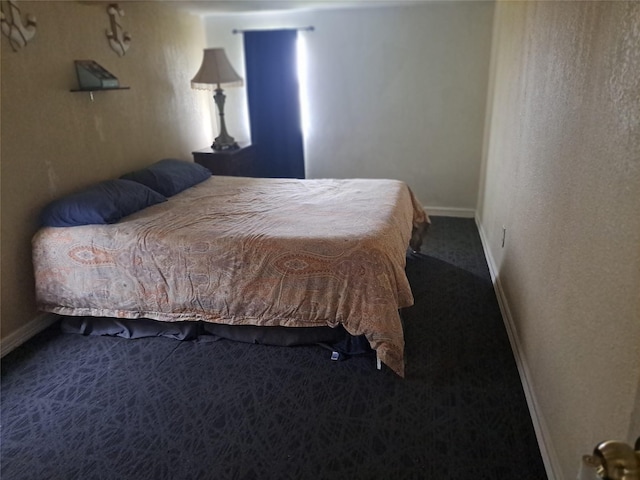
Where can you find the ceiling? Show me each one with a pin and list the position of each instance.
(203, 7)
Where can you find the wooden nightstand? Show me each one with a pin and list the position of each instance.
(234, 163)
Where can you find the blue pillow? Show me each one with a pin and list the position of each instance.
(102, 203)
(170, 176)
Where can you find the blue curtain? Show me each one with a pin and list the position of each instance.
(274, 103)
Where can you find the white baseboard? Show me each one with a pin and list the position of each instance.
(25, 332)
(549, 457)
(450, 212)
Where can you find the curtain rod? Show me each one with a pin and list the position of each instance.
(310, 28)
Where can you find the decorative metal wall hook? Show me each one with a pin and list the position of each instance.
(13, 28)
(119, 40)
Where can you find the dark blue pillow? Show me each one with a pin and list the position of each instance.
(102, 203)
(170, 176)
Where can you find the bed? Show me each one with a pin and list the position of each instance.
(241, 251)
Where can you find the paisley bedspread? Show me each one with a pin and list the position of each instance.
(247, 251)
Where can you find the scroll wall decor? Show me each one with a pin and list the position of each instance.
(13, 27)
(119, 40)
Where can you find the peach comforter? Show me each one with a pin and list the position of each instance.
(268, 252)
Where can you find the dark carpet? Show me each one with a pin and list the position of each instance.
(91, 407)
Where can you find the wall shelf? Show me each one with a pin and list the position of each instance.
(92, 77)
(98, 89)
(91, 90)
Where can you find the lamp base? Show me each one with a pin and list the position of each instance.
(233, 145)
(224, 141)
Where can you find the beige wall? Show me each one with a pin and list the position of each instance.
(393, 92)
(54, 141)
(563, 176)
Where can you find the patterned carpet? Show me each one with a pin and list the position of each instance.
(76, 407)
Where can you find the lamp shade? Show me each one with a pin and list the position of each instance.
(215, 70)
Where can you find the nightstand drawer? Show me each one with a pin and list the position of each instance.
(235, 163)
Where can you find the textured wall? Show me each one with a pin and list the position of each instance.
(54, 141)
(563, 176)
(393, 92)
